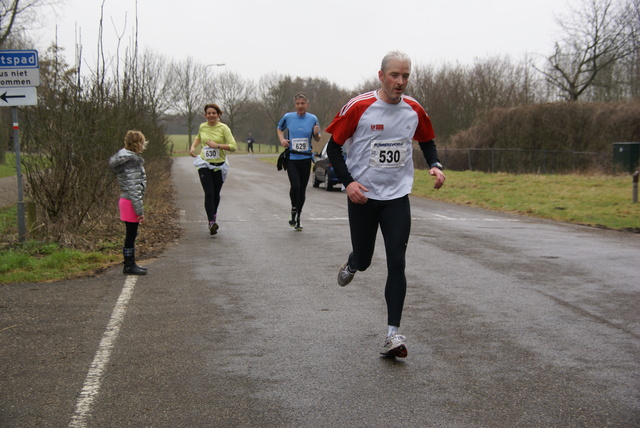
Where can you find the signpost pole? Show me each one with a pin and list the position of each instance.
(22, 230)
(19, 76)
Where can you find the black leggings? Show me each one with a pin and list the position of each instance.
(299, 172)
(211, 184)
(132, 233)
(394, 218)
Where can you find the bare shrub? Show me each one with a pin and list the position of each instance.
(560, 137)
(68, 138)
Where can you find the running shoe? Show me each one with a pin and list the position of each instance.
(298, 225)
(213, 228)
(394, 346)
(292, 219)
(344, 275)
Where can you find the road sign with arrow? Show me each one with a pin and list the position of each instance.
(19, 75)
(18, 97)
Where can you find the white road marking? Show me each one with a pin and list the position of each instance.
(92, 382)
(436, 217)
(441, 217)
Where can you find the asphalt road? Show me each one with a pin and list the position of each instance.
(510, 321)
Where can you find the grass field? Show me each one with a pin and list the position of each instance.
(9, 168)
(180, 146)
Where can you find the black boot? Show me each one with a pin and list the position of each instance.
(130, 266)
(134, 262)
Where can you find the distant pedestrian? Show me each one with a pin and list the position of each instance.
(379, 128)
(215, 139)
(132, 178)
(301, 127)
(250, 142)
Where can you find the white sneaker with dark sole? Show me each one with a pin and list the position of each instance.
(394, 346)
(344, 275)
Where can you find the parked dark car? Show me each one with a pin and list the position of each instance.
(323, 171)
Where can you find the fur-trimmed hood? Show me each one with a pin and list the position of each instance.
(124, 159)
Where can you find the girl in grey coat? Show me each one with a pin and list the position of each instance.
(129, 167)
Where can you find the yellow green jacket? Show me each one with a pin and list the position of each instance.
(219, 133)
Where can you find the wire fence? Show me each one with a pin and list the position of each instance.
(523, 161)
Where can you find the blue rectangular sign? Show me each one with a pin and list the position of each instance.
(19, 59)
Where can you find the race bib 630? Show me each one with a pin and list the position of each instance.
(211, 153)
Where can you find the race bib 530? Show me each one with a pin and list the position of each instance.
(388, 153)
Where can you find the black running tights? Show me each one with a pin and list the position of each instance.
(299, 172)
(211, 184)
(394, 218)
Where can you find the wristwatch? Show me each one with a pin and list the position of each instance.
(437, 165)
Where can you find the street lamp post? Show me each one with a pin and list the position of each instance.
(206, 67)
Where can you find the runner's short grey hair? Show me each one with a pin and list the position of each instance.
(300, 96)
(397, 55)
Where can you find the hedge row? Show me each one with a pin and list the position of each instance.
(581, 127)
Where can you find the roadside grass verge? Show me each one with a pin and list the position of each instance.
(593, 200)
(37, 262)
(34, 261)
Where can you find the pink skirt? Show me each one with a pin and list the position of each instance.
(127, 213)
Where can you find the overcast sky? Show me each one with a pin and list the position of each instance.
(340, 40)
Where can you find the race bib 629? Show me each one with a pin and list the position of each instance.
(300, 144)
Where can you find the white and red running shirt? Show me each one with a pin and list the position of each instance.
(378, 140)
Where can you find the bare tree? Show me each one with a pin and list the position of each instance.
(325, 98)
(154, 76)
(366, 85)
(596, 36)
(234, 95)
(189, 91)
(16, 14)
(631, 64)
(276, 92)
(74, 132)
(456, 95)
(275, 95)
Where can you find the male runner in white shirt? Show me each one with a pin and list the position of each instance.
(379, 127)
